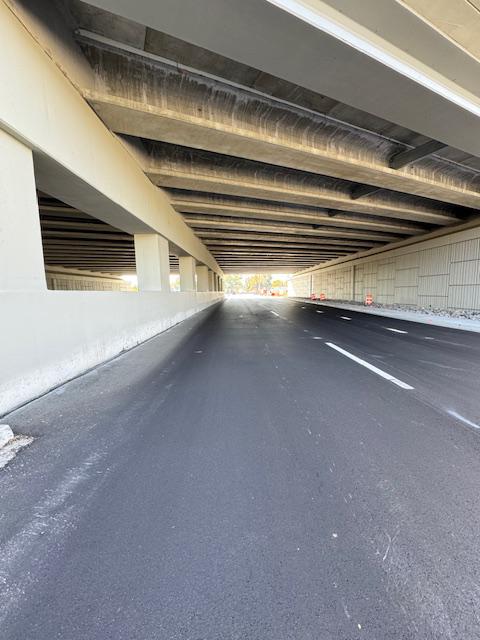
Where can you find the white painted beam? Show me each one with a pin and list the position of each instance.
(21, 257)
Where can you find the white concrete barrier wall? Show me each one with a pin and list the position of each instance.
(49, 337)
(441, 273)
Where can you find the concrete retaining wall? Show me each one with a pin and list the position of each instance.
(63, 281)
(70, 332)
(443, 272)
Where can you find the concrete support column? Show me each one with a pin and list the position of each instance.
(153, 265)
(202, 278)
(211, 280)
(187, 273)
(21, 253)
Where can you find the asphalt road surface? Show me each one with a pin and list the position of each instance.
(262, 471)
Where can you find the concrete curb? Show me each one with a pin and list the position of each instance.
(10, 444)
(433, 320)
(6, 434)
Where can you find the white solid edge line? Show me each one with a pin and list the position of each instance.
(376, 370)
(395, 330)
(456, 415)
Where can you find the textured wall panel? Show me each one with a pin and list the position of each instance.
(468, 250)
(434, 285)
(465, 273)
(464, 297)
(441, 272)
(406, 277)
(408, 261)
(434, 261)
(386, 270)
(406, 295)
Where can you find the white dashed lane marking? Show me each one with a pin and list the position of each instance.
(371, 367)
(395, 330)
(345, 318)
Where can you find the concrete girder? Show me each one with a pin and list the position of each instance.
(292, 252)
(273, 258)
(160, 103)
(235, 255)
(269, 260)
(239, 251)
(221, 222)
(247, 235)
(76, 158)
(315, 259)
(272, 242)
(180, 168)
(260, 259)
(311, 259)
(207, 204)
(378, 57)
(80, 224)
(278, 268)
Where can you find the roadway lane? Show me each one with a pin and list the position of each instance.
(441, 363)
(238, 478)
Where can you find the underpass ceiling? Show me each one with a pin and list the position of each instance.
(264, 171)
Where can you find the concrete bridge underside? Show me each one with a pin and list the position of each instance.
(311, 138)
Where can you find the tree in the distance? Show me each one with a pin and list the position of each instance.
(258, 283)
(233, 283)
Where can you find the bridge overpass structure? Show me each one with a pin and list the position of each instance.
(176, 463)
(334, 140)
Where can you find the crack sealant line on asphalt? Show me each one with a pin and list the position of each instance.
(371, 367)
